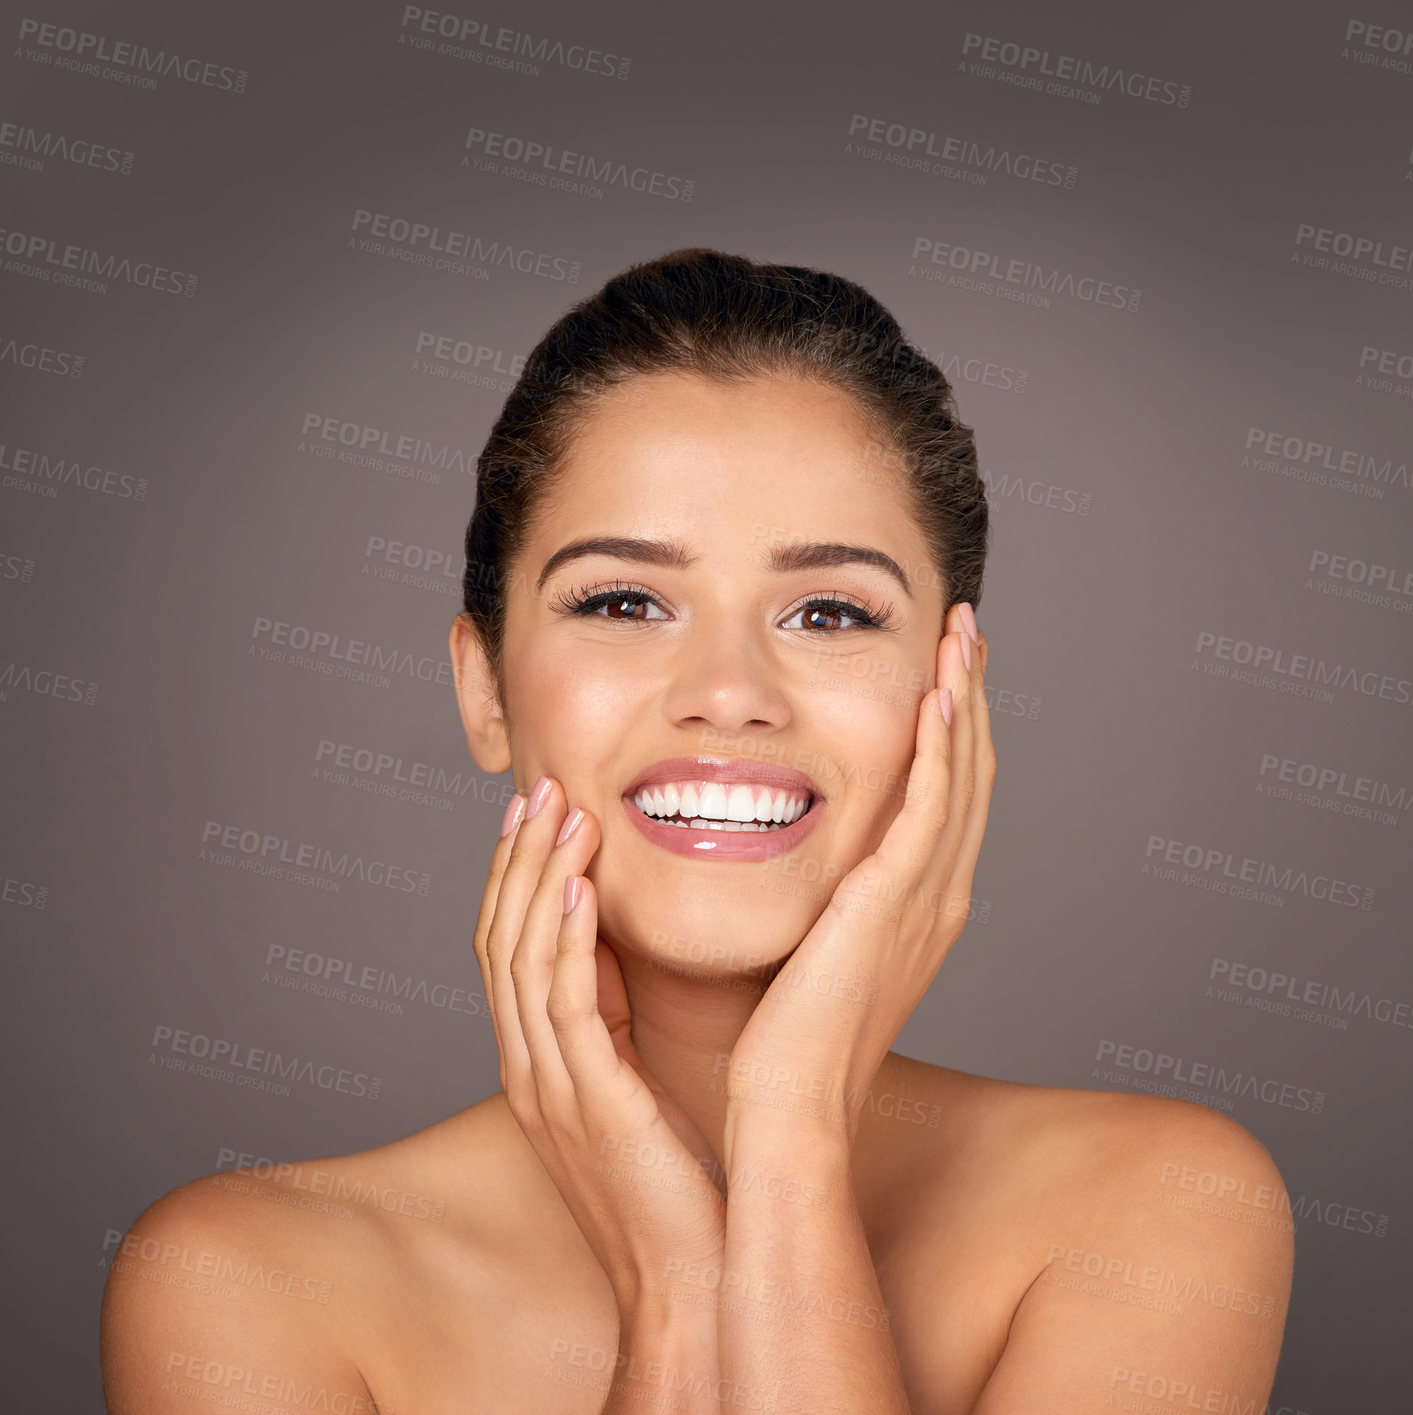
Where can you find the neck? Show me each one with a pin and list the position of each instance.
(685, 1027)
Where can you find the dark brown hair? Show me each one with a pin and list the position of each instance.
(724, 317)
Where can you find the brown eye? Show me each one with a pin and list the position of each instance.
(634, 602)
(816, 618)
(612, 604)
(821, 615)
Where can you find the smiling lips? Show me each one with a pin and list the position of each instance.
(708, 807)
(722, 805)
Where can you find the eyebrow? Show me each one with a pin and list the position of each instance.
(673, 555)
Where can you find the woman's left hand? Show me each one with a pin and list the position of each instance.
(833, 1011)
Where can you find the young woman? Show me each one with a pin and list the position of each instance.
(719, 623)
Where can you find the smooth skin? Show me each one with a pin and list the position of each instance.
(698, 1187)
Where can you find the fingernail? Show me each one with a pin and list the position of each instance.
(538, 797)
(966, 659)
(969, 622)
(571, 822)
(571, 892)
(944, 705)
(512, 815)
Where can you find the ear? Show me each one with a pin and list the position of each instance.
(477, 698)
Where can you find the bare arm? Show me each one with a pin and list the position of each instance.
(801, 1314)
(1147, 1300)
(190, 1311)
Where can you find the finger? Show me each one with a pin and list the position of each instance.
(533, 840)
(572, 1005)
(984, 758)
(912, 837)
(949, 874)
(613, 1000)
(535, 957)
(500, 858)
(962, 784)
(588, 1007)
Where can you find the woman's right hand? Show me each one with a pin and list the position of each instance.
(625, 1157)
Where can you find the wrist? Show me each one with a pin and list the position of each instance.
(667, 1351)
(801, 1138)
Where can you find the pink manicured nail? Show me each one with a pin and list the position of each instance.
(571, 892)
(538, 797)
(969, 622)
(571, 822)
(512, 815)
(966, 658)
(944, 705)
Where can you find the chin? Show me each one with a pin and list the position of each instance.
(696, 932)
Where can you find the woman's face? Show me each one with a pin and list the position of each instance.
(726, 657)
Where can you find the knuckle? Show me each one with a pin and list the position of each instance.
(522, 1101)
(563, 1010)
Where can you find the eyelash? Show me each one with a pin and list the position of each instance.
(586, 605)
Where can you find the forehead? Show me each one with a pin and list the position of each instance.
(687, 453)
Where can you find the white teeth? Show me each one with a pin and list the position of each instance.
(716, 805)
(712, 801)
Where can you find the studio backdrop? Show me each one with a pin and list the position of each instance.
(267, 272)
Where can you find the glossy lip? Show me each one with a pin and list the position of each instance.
(737, 846)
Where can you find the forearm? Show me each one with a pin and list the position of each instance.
(801, 1314)
(667, 1361)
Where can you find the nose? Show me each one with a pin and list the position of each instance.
(726, 681)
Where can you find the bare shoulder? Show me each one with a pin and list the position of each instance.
(210, 1281)
(1053, 1137)
(277, 1276)
(1130, 1234)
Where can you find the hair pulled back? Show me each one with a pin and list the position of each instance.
(705, 312)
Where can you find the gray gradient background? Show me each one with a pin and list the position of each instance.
(1110, 730)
